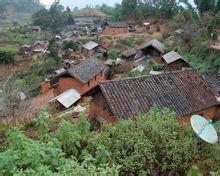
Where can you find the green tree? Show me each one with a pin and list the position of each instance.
(204, 5)
(54, 18)
(70, 45)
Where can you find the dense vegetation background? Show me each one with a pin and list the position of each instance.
(153, 144)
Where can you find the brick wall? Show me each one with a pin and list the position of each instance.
(69, 82)
(114, 31)
(45, 86)
(209, 113)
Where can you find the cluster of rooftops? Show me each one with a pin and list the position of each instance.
(184, 90)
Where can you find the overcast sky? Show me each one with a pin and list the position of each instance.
(82, 3)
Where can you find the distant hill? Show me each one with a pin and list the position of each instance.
(24, 6)
(18, 11)
(88, 12)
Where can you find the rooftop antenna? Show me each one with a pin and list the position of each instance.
(204, 129)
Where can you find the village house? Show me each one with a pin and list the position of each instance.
(173, 61)
(184, 92)
(76, 81)
(92, 47)
(87, 16)
(114, 28)
(38, 46)
(33, 29)
(153, 48)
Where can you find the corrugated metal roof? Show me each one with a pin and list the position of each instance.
(172, 56)
(68, 98)
(91, 45)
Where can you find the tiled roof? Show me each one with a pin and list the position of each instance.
(86, 70)
(172, 56)
(38, 42)
(129, 52)
(184, 92)
(117, 24)
(213, 79)
(154, 43)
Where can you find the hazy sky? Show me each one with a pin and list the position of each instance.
(82, 3)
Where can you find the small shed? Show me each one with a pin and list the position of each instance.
(174, 61)
(152, 48)
(91, 47)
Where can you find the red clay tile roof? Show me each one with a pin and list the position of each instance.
(184, 92)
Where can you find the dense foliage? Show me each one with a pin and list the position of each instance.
(152, 144)
(54, 18)
(7, 56)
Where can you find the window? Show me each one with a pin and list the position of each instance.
(89, 83)
(95, 78)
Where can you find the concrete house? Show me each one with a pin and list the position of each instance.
(184, 92)
(173, 61)
(114, 28)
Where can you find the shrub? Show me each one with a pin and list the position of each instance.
(126, 41)
(155, 143)
(139, 41)
(113, 54)
(155, 66)
(202, 50)
(166, 35)
(70, 45)
(7, 56)
(42, 66)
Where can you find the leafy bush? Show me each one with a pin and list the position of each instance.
(139, 41)
(155, 66)
(166, 35)
(113, 54)
(155, 143)
(24, 156)
(7, 56)
(70, 45)
(128, 41)
(202, 50)
(42, 66)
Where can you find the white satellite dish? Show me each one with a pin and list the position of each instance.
(204, 129)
